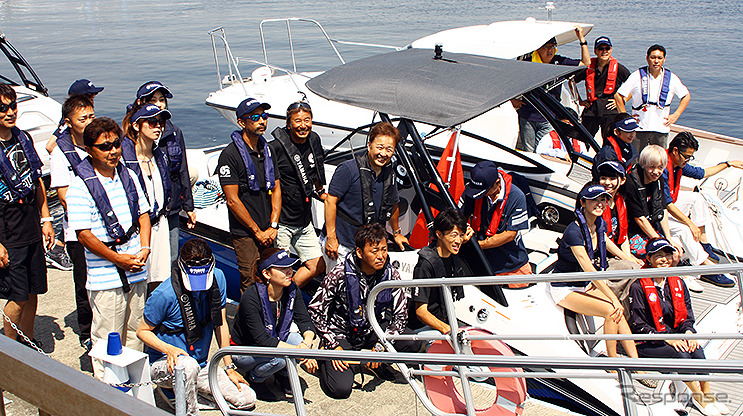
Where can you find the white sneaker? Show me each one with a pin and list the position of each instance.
(724, 410)
(709, 410)
(693, 285)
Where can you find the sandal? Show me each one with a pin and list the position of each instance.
(649, 383)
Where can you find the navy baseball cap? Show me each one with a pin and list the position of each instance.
(628, 125)
(248, 106)
(593, 192)
(658, 244)
(82, 87)
(149, 111)
(150, 87)
(601, 40)
(482, 177)
(279, 259)
(609, 167)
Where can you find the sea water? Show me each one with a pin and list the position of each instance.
(120, 44)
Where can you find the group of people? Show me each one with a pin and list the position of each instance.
(124, 188)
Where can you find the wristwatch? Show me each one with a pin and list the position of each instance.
(231, 366)
(583, 43)
(275, 225)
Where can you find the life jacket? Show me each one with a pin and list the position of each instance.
(557, 143)
(356, 305)
(674, 178)
(269, 320)
(193, 328)
(283, 137)
(129, 157)
(242, 147)
(169, 141)
(612, 140)
(653, 298)
(497, 212)
(431, 255)
(611, 78)
(662, 96)
(18, 188)
(600, 243)
(367, 176)
(64, 141)
(621, 219)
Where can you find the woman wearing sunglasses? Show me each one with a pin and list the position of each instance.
(143, 127)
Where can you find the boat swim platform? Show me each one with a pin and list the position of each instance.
(56, 326)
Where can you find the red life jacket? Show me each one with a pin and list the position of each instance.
(674, 178)
(557, 143)
(621, 219)
(611, 78)
(497, 213)
(617, 150)
(652, 296)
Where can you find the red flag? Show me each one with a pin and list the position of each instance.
(419, 235)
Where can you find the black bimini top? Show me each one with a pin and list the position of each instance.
(441, 92)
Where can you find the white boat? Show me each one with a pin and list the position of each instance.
(38, 114)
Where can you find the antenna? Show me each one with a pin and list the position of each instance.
(550, 6)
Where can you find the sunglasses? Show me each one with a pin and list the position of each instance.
(11, 106)
(299, 104)
(256, 117)
(154, 122)
(604, 48)
(107, 146)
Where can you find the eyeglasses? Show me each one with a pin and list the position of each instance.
(256, 117)
(299, 104)
(154, 122)
(10, 106)
(688, 158)
(198, 261)
(107, 146)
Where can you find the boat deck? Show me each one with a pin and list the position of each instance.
(56, 325)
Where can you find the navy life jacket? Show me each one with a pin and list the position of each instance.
(600, 233)
(15, 182)
(287, 316)
(367, 177)
(283, 137)
(129, 157)
(242, 147)
(662, 97)
(169, 141)
(353, 288)
(64, 141)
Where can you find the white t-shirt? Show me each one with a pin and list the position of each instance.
(62, 177)
(652, 117)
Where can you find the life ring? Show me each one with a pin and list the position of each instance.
(510, 392)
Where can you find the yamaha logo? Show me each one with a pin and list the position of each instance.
(184, 298)
(297, 158)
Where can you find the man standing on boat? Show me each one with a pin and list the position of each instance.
(652, 88)
(250, 181)
(532, 125)
(299, 159)
(603, 77)
(363, 191)
(497, 211)
(25, 222)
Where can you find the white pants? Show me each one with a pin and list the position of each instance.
(693, 205)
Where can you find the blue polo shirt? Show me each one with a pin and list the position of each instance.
(688, 170)
(346, 186)
(162, 308)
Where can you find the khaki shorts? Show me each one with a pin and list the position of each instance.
(303, 240)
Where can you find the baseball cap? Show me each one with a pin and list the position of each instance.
(610, 167)
(82, 87)
(150, 87)
(628, 125)
(482, 177)
(197, 277)
(601, 40)
(279, 259)
(248, 106)
(658, 244)
(149, 111)
(593, 192)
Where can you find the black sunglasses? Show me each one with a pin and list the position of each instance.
(154, 122)
(256, 117)
(11, 106)
(107, 146)
(299, 104)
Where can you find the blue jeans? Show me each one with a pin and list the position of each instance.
(261, 368)
(530, 132)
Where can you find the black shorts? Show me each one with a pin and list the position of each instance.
(26, 273)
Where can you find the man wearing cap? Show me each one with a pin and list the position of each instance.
(532, 124)
(250, 181)
(195, 293)
(110, 214)
(603, 77)
(652, 88)
(300, 160)
(497, 212)
(618, 143)
(82, 87)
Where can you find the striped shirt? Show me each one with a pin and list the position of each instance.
(82, 214)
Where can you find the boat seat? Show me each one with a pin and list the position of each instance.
(578, 324)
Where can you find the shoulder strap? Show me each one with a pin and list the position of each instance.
(15, 182)
(643, 84)
(674, 178)
(367, 176)
(663, 96)
(64, 141)
(591, 80)
(319, 155)
(289, 297)
(242, 148)
(679, 303)
(611, 76)
(651, 294)
(295, 159)
(170, 142)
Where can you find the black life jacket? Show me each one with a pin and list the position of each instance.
(289, 297)
(367, 177)
(242, 147)
(193, 328)
(431, 255)
(169, 141)
(353, 289)
(129, 157)
(657, 205)
(282, 136)
(64, 141)
(19, 189)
